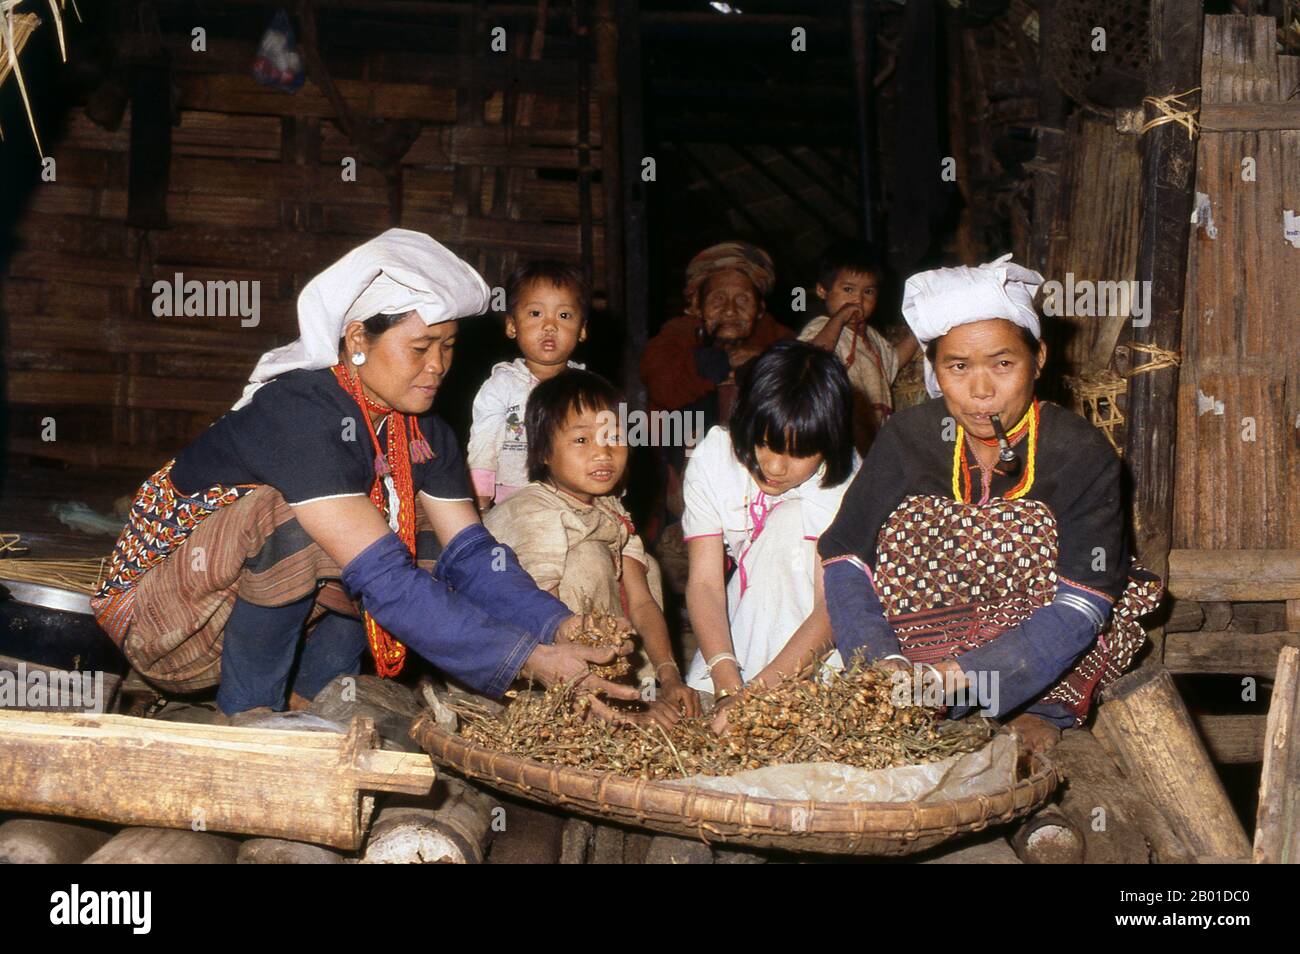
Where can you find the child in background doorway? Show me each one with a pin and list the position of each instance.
(573, 536)
(849, 278)
(546, 313)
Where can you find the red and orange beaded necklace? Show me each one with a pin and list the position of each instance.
(406, 444)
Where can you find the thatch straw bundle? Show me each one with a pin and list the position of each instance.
(15, 30)
(81, 575)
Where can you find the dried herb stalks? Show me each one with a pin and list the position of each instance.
(848, 718)
(602, 630)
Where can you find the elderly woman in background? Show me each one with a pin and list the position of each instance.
(690, 365)
(242, 557)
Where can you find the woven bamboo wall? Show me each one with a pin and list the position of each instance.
(1241, 350)
(256, 193)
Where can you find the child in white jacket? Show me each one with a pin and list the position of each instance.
(546, 313)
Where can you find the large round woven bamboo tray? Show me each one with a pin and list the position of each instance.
(844, 828)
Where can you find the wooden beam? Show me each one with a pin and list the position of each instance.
(1144, 723)
(118, 390)
(232, 93)
(1233, 739)
(1237, 575)
(305, 786)
(94, 455)
(1168, 178)
(1277, 823)
(462, 8)
(1246, 654)
(1250, 117)
(1132, 822)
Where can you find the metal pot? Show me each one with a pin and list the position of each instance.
(54, 627)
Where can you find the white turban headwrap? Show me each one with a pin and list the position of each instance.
(395, 273)
(937, 301)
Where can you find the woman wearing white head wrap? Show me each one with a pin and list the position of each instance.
(984, 536)
(308, 495)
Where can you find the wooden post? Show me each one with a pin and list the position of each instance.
(1050, 132)
(862, 40)
(1117, 822)
(582, 26)
(632, 149)
(1168, 178)
(1277, 823)
(151, 143)
(611, 172)
(1143, 722)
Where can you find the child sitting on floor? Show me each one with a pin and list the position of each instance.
(761, 492)
(546, 313)
(849, 279)
(572, 534)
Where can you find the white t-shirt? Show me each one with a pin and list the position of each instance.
(722, 498)
(771, 539)
(498, 444)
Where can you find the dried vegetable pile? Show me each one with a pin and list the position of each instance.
(599, 629)
(846, 717)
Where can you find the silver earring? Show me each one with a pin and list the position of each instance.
(359, 358)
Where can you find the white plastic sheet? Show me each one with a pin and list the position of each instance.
(989, 770)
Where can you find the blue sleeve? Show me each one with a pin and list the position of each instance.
(857, 618)
(487, 572)
(444, 627)
(1029, 659)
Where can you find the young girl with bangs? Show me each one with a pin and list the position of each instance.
(758, 495)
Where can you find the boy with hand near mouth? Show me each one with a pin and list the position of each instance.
(546, 313)
(849, 277)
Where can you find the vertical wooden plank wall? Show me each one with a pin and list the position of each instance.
(1241, 329)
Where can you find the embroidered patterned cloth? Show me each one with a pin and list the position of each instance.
(952, 576)
(160, 520)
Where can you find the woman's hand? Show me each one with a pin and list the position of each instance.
(679, 696)
(719, 713)
(565, 663)
(565, 632)
(661, 713)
